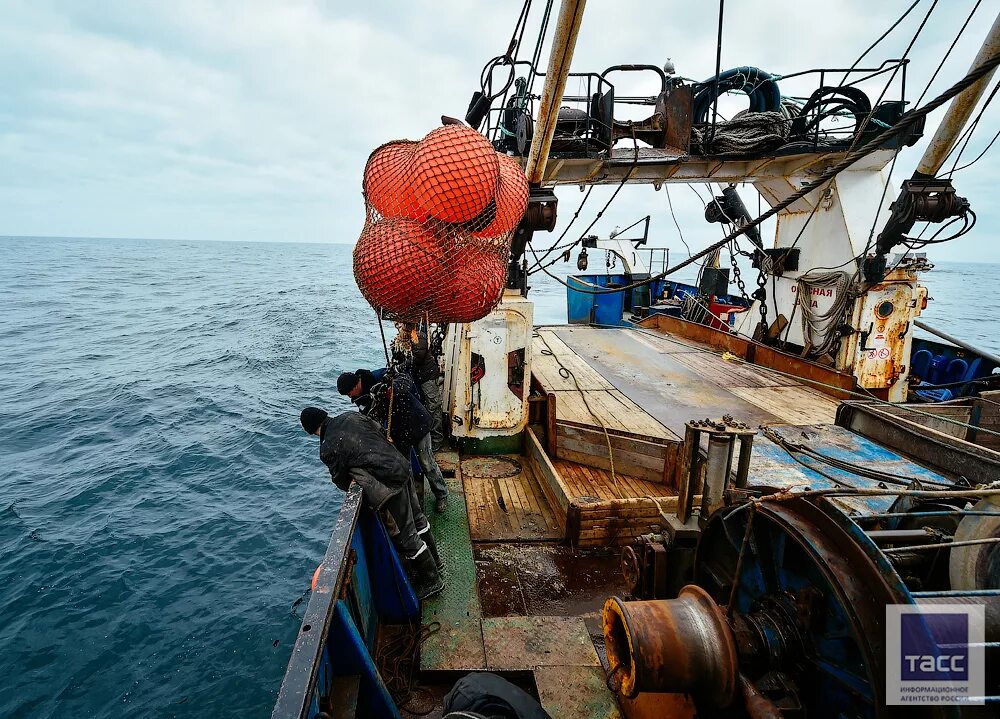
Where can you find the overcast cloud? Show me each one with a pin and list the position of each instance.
(246, 120)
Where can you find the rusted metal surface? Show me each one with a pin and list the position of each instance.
(961, 107)
(490, 467)
(447, 460)
(678, 109)
(758, 355)
(837, 570)
(560, 58)
(758, 706)
(524, 643)
(975, 566)
(951, 455)
(881, 360)
(675, 645)
(657, 705)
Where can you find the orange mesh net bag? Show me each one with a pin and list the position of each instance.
(440, 215)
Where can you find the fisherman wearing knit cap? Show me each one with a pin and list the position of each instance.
(410, 426)
(354, 449)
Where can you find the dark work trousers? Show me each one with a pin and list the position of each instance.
(403, 518)
(428, 467)
(432, 401)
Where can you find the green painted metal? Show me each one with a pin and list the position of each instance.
(458, 644)
(576, 691)
(509, 444)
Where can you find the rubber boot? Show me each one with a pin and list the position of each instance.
(426, 579)
(428, 537)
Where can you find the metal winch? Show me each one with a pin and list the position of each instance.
(777, 601)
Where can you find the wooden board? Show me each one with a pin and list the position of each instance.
(510, 509)
(547, 476)
(671, 387)
(794, 405)
(988, 405)
(560, 368)
(646, 460)
(664, 343)
(733, 374)
(578, 481)
(611, 409)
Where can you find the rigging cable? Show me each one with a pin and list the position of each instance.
(978, 157)
(881, 37)
(973, 126)
(950, 48)
(625, 179)
(923, 23)
(876, 143)
(680, 233)
(556, 245)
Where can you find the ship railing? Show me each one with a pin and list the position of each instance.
(588, 126)
(360, 587)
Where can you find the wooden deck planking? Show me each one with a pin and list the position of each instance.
(733, 374)
(549, 373)
(794, 405)
(510, 509)
(670, 387)
(583, 481)
(663, 344)
(611, 409)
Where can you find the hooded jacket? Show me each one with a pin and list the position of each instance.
(353, 447)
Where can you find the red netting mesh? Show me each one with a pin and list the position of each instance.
(440, 216)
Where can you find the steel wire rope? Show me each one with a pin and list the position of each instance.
(557, 244)
(973, 126)
(680, 233)
(625, 179)
(978, 157)
(947, 53)
(904, 122)
(790, 446)
(859, 131)
(881, 37)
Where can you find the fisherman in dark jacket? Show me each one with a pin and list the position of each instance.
(425, 372)
(410, 425)
(354, 449)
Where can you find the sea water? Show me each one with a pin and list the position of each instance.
(161, 510)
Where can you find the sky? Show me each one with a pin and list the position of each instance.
(252, 120)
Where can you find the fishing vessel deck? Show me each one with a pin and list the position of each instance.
(532, 544)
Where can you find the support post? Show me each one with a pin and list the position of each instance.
(563, 46)
(960, 109)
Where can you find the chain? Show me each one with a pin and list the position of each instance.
(761, 295)
(737, 277)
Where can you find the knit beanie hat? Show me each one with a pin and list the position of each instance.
(346, 382)
(312, 418)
